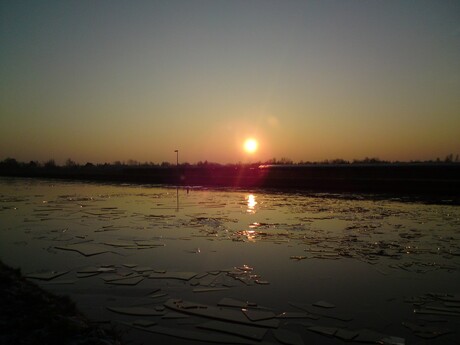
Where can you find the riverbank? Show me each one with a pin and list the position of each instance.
(433, 183)
(31, 315)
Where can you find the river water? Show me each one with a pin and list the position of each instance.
(339, 267)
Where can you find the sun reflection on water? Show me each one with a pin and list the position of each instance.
(251, 202)
(249, 234)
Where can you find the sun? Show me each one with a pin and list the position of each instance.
(250, 145)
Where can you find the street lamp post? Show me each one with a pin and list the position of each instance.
(177, 166)
(178, 179)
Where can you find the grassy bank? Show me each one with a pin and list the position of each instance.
(30, 315)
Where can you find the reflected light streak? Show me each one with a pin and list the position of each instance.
(251, 202)
(250, 235)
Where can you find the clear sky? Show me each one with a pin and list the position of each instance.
(114, 80)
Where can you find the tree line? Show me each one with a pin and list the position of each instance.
(12, 163)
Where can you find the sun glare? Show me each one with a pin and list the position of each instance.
(250, 145)
(251, 201)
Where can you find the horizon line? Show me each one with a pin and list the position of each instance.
(274, 161)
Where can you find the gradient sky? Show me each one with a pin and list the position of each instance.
(102, 81)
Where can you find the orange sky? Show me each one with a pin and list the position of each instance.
(99, 81)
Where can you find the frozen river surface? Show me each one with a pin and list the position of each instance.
(242, 267)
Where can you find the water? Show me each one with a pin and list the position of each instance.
(375, 261)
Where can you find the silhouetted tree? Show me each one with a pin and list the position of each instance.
(285, 160)
(449, 158)
(367, 160)
(70, 163)
(339, 161)
(50, 164)
(33, 164)
(10, 163)
(201, 164)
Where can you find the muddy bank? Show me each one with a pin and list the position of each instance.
(31, 315)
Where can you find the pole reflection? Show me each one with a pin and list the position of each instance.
(177, 199)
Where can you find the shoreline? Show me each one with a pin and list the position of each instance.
(429, 183)
(31, 315)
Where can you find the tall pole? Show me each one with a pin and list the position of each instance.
(177, 165)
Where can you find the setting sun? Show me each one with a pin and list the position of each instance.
(250, 145)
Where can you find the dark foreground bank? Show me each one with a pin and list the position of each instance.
(30, 315)
(432, 182)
